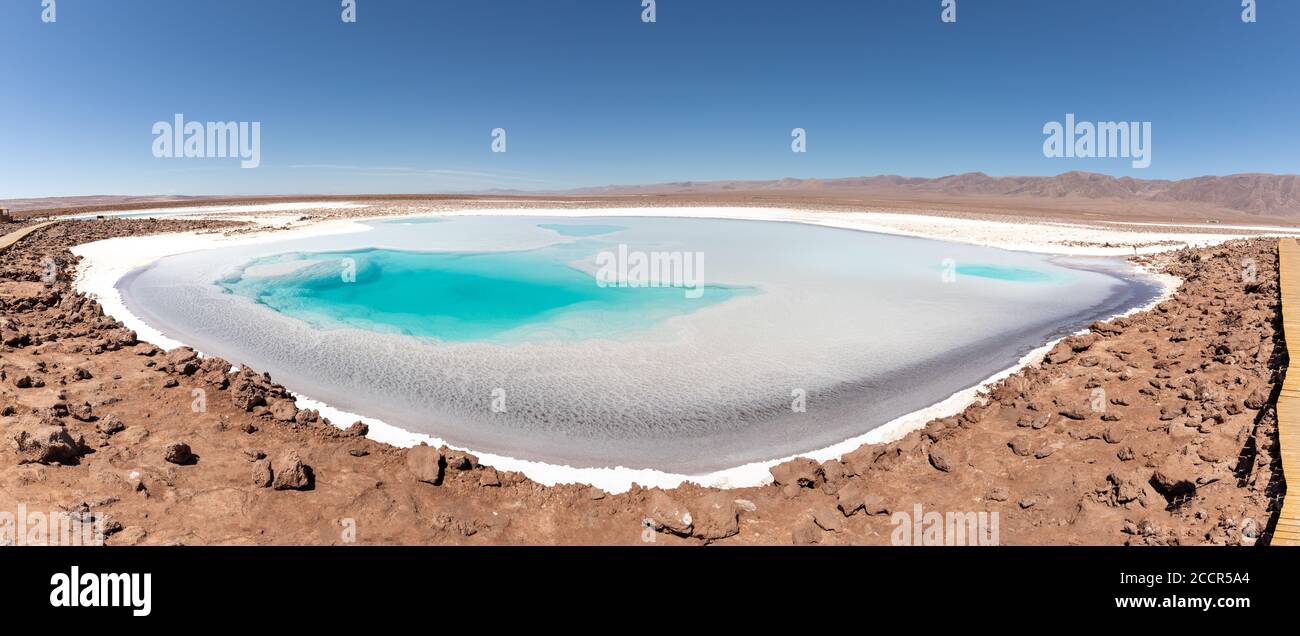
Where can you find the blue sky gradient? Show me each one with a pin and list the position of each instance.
(404, 99)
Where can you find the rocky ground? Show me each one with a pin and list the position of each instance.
(1158, 428)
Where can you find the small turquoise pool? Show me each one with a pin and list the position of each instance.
(1012, 274)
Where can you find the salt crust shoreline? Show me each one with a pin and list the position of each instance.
(104, 263)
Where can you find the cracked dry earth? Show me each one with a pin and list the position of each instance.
(1153, 429)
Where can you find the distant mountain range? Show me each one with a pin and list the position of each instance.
(90, 202)
(1267, 195)
(1238, 198)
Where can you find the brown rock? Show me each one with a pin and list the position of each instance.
(262, 474)
(1082, 342)
(1112, 328)
(716, 517)
(119, 338)
(308, 417)
(215, 371)
(290, 473)
(667, 514)
(1178, 476)
(805, 530)
(458, 460)
(942, 459)
(1125, 487)
(246, 392)
(178, 453)
(827, 519)
(284, 410)
(1021, 445)
(489, 478)
(1059, 354)
(799, 471)
(1073, 412)
(109, 425)
(860, 461)
(834, 471)
(852, 497)
(82, 412)
(425, 462)
(1219, 448)
(182, 360)
(47, 444)
(874, 505)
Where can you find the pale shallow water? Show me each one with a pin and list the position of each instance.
(867, 326)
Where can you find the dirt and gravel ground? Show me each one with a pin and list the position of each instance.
(1153, 429)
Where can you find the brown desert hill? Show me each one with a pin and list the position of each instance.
(1235, 196)
(1263, 193)
(21, 206)
(1245, 199)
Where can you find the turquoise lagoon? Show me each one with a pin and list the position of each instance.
(448, 318)
(481, 296)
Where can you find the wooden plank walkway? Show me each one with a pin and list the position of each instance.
(1287, 531)
(13, 237)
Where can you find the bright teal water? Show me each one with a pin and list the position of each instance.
(463, 296)
(1011, 274)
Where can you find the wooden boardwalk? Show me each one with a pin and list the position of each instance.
(13, 237)
(1287, 531)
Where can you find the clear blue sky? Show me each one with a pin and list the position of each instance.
(404, 99)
